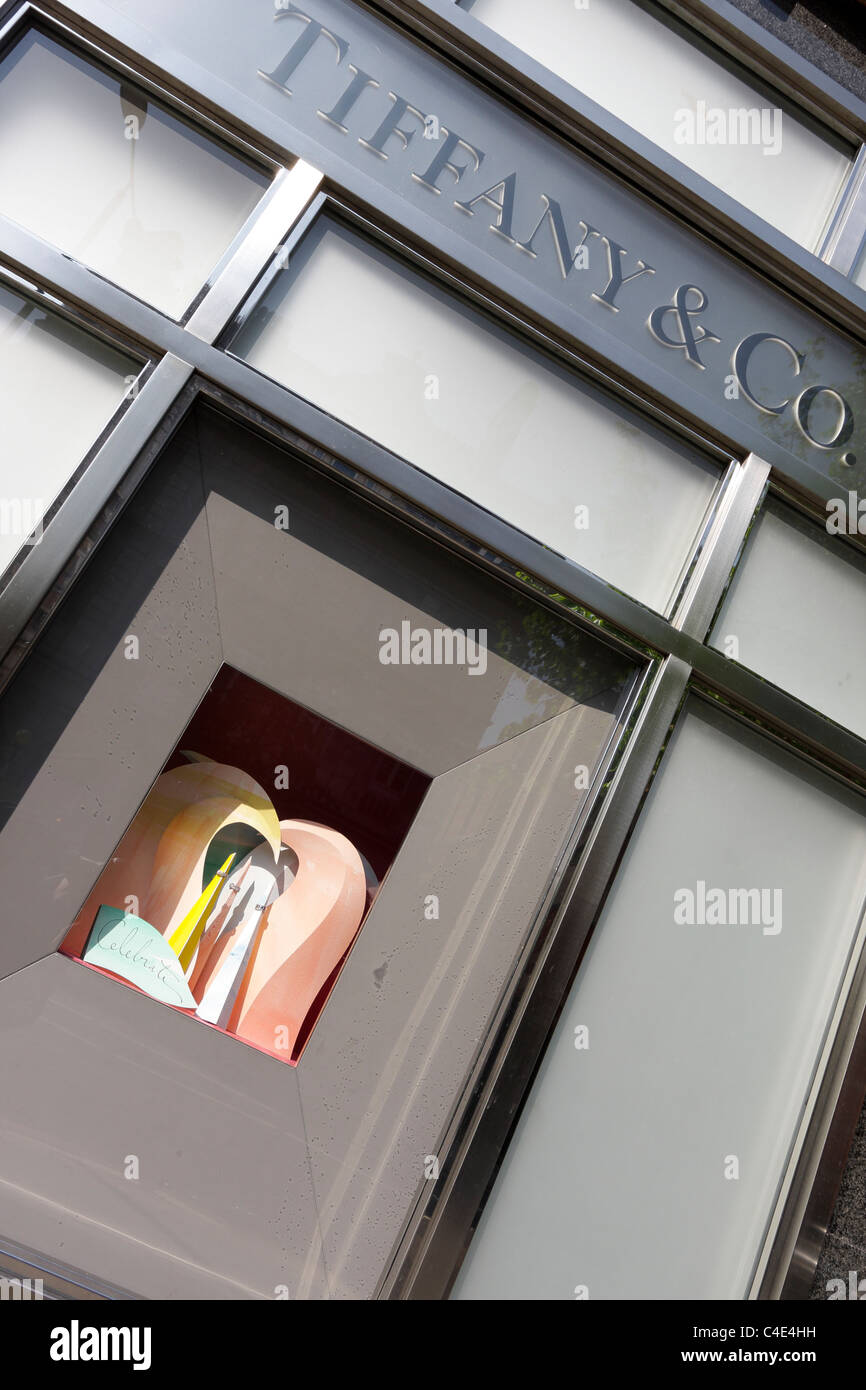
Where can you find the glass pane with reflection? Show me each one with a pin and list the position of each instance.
(99, 169)
(687, 97)
(371, 341)
(59, 387)
(794, 611)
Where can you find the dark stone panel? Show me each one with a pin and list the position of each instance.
(845, 1247)
(829, 33)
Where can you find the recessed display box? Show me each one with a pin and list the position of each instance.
(240, 885)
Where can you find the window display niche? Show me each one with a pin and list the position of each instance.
(238, 889)
(212, 761)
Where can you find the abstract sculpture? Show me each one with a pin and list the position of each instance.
(249, 947)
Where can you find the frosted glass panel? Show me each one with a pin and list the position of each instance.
(791, 613)
(58, 388)
(703, 1036)
(375, 344)
(648, 74)
(110, 178)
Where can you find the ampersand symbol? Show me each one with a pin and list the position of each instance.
(691, 335)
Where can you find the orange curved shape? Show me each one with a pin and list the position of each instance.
(308, 929)
(129, 872)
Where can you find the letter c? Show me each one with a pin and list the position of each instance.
(740, 363)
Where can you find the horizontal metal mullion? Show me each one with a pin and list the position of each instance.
(326, 432)
(817, 736)
(143, 325)
(33, 257)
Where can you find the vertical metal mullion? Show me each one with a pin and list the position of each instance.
(847, 231)
(292, 192)
(798, 1223)
(43, 563)
(741, 495)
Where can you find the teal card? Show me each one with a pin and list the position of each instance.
(131, 947)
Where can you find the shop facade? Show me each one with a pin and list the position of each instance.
(432, 482)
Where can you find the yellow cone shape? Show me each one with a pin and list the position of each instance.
(178, 866)
(185, 938)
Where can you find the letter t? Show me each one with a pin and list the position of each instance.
(301, 47)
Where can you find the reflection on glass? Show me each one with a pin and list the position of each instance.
(96, 167)
(59, 387)
(377, 345)
(649, 1154)
(683, 95)
(794, 611)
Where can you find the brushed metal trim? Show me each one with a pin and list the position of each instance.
(741, 497)
(277, 212)
(42, 563)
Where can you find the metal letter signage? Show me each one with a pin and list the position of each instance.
(397, 127)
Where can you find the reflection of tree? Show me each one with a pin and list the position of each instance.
(784, 430)
(561, 657)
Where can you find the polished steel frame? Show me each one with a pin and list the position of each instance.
(189, 359)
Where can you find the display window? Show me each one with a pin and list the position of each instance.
(246, 900)
(264, 681)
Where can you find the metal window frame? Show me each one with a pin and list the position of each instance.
(427, 1259)
(328, 205)
(187, 364)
